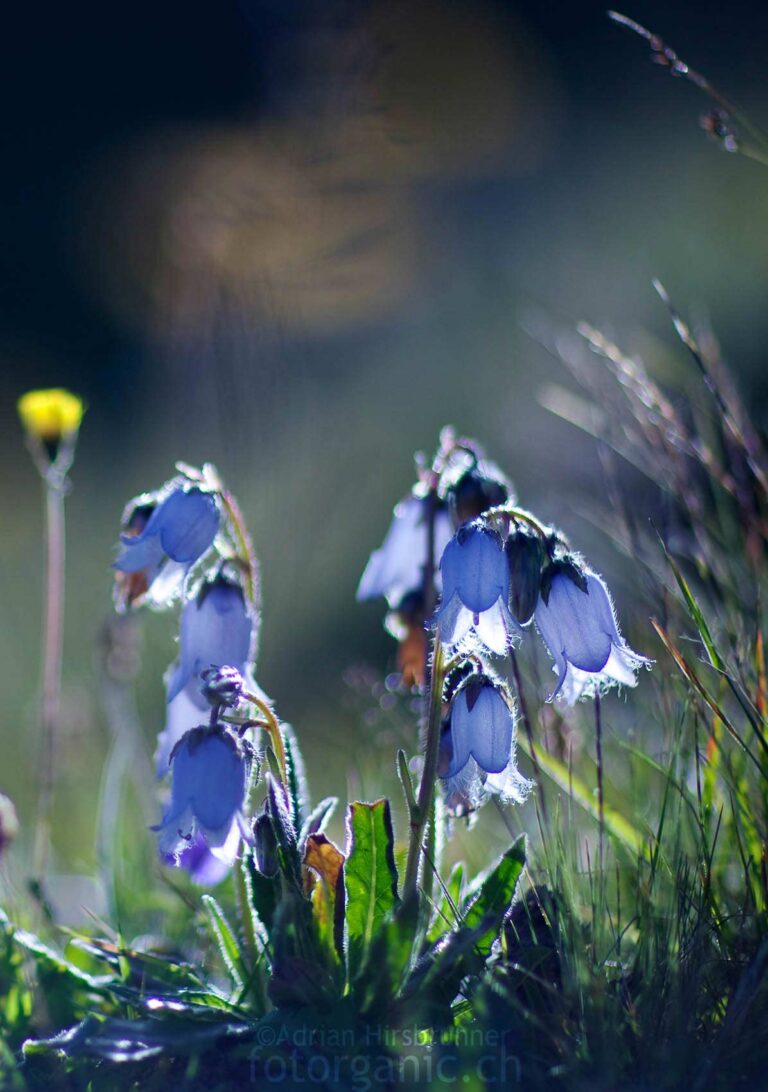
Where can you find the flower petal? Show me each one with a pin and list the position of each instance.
(493, 628)
(473, 566)
(183, 714)
(176, 831)
(580, 623)
(187, 523)
(483, 732)
(139, 553)
(215, 629)
(493, 725)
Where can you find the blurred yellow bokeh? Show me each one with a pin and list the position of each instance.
(51, 414)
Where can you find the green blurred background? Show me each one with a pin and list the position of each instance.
(295, 238)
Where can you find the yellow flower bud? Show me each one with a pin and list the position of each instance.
(51, 414)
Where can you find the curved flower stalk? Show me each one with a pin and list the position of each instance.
(577, 622)
(475, 590)
(165, 535)
(210, 769)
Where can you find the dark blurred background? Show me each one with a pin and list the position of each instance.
(295, 238)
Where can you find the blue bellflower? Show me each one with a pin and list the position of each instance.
(179, 531)
(477, 752)
(216, 628)
(210, 777)
(397, 567)
(475, 577)
(580, 631)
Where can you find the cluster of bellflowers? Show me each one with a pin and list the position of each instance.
(463, 562)
(185, 544)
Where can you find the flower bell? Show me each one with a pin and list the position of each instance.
(216, 628)
(475, 579)
(210, 776)
(577, 623)
(397, 567)
(477, 752)
(525, 556)
(163, 539)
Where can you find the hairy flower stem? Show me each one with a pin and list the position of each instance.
(272, 728)
(600, 798)
(52, 653)
(528, 729)
(423, 816)
(427, 785)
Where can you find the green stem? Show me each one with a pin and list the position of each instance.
(600, 796)
(272, 728)
(427, 784)
(528, 729)
(521, 516)
(245, 551)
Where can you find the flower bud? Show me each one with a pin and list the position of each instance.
(50, 416)
(474, 493)
(525, 555)
(222, 686)
(265, 845)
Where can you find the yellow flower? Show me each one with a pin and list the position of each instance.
(51, 414)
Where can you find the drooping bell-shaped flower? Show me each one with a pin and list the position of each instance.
(477, 752)
(216, 628)
(475, 579)
(577, 623)
(210, 769)
(173, 533)
(397, 567)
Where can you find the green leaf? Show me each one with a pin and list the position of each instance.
(695, 612)
(49, 960)
(446, 911)
(370, 878)
(262, 892)
(491, 896)
(285, 831)
(138, 1040)
(225, 938)
(388, 962)
(298, 794)
(317, 819)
